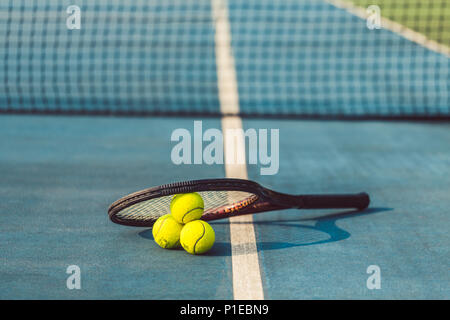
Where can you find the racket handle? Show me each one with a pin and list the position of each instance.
(336, 201)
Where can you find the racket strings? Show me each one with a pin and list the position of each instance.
(215, 201)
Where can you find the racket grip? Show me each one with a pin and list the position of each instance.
(336, 201)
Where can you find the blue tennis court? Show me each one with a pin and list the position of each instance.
(87, 115)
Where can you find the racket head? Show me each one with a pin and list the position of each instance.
(223, 198)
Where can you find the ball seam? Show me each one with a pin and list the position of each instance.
(160, 226)
(182, 219)
(204, 231)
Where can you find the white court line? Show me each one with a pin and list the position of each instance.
(393, 26)
(247, 283)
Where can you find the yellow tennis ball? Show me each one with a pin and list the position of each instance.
(166, 232)
(197, 237)
(187, 207)
(172, 201)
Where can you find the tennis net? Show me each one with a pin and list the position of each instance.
(291, 58)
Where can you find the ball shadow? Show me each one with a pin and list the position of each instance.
(323, 231)
(219, 248)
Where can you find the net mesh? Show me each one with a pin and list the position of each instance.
(303, 57)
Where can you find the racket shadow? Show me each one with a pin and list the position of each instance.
(323, 231)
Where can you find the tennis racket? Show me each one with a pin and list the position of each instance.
(223, 198)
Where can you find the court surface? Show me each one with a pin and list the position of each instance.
(59, 174)
(86, 117)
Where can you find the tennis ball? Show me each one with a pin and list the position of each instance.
(166, 232)
(187, 207)
(197, 237)
(172, 201)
